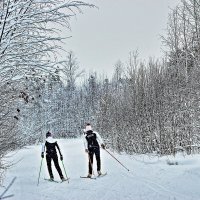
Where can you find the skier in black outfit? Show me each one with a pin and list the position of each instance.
(51, 154)
(92, 140)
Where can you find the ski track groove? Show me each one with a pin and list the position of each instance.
(163, 188)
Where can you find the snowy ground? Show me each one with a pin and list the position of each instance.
(149, 178)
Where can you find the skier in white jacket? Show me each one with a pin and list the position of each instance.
(92, 143)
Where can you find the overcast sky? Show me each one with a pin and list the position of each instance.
(101, 37)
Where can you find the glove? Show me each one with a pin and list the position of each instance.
(42, 154)
(86, 150)
(103, 146)
(61, 157)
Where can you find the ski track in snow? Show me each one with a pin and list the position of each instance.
(150, 179)
(155, 187)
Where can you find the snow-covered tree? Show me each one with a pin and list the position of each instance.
(29, 43)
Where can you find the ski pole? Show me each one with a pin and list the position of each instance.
(39, 172)
(65, 172)
(116, 159)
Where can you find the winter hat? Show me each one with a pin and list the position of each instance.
(88, 127)
(48, 134)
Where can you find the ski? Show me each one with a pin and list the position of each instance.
(102, 175)
(46, 179)
(87, 177)
(67, 179)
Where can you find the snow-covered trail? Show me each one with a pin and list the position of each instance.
(148, 178)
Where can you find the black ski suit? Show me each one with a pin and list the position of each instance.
(51, 154)
(91, 142)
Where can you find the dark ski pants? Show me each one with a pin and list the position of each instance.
(53, 157)
(91, 153)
